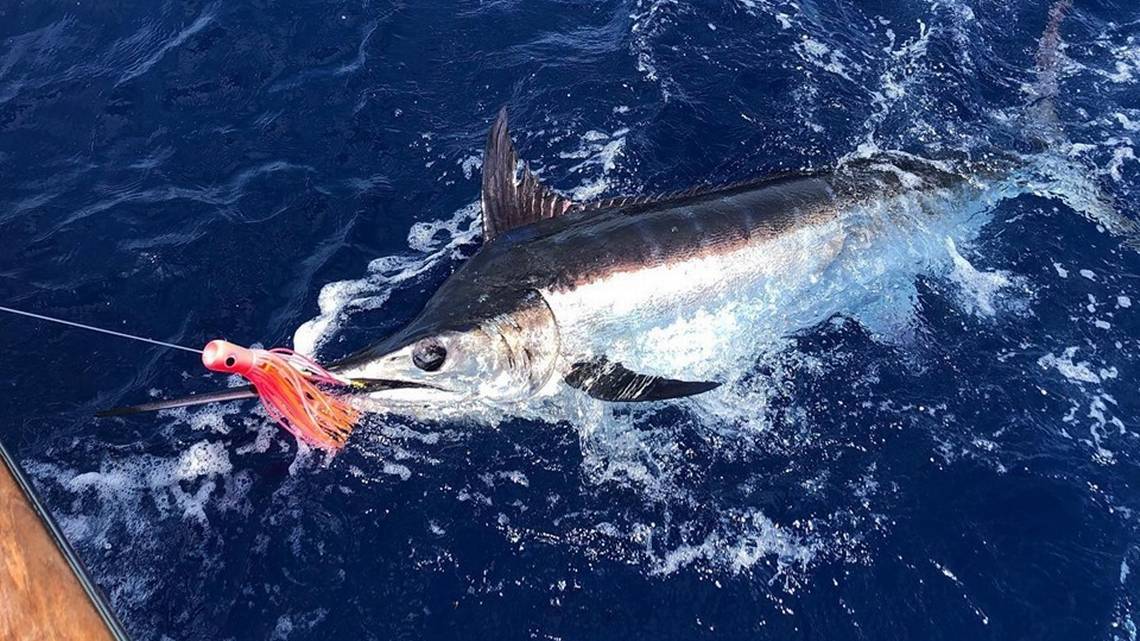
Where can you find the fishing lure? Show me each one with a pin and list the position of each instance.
(296, 392)
(304, 398)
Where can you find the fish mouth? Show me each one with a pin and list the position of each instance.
(387, 395)
(369, 385)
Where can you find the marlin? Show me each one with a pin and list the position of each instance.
(560, 291)
(597, 296)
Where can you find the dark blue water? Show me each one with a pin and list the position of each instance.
(194, 170)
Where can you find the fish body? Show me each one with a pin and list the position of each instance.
(600, 296)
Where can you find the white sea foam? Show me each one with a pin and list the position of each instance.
(827, 58)
(901, 72)
(296, 623)
(200, 481)
(1075, 371)
(395, 469)
(1093, 379)
(433, 241)
(981, 287)
(1119, 156)
(469, 164)
(751, 539)
(598, 154)
(1126, 121)
(1057, 176)
(648, 21)
(768, 7)
(1126, 63)
(210, 418)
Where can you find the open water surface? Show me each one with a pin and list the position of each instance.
(960, 462)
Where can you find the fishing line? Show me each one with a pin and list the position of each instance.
(99, 329)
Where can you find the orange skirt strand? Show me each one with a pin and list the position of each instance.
(294, 390)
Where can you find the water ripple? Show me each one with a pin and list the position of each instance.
(142, 66)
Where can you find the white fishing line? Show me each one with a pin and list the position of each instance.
(99, 329)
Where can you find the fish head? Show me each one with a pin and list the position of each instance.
(498, 356)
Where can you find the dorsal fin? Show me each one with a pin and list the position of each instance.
(636, 202)
(512, 198)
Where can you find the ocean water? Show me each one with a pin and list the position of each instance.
(954, 456)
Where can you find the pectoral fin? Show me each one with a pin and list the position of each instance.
(608, 381)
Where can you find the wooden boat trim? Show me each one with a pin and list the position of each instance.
(41, 548)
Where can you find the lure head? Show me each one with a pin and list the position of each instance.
(225, 357)
(502, 355)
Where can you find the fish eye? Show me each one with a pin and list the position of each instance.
(429, 355)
